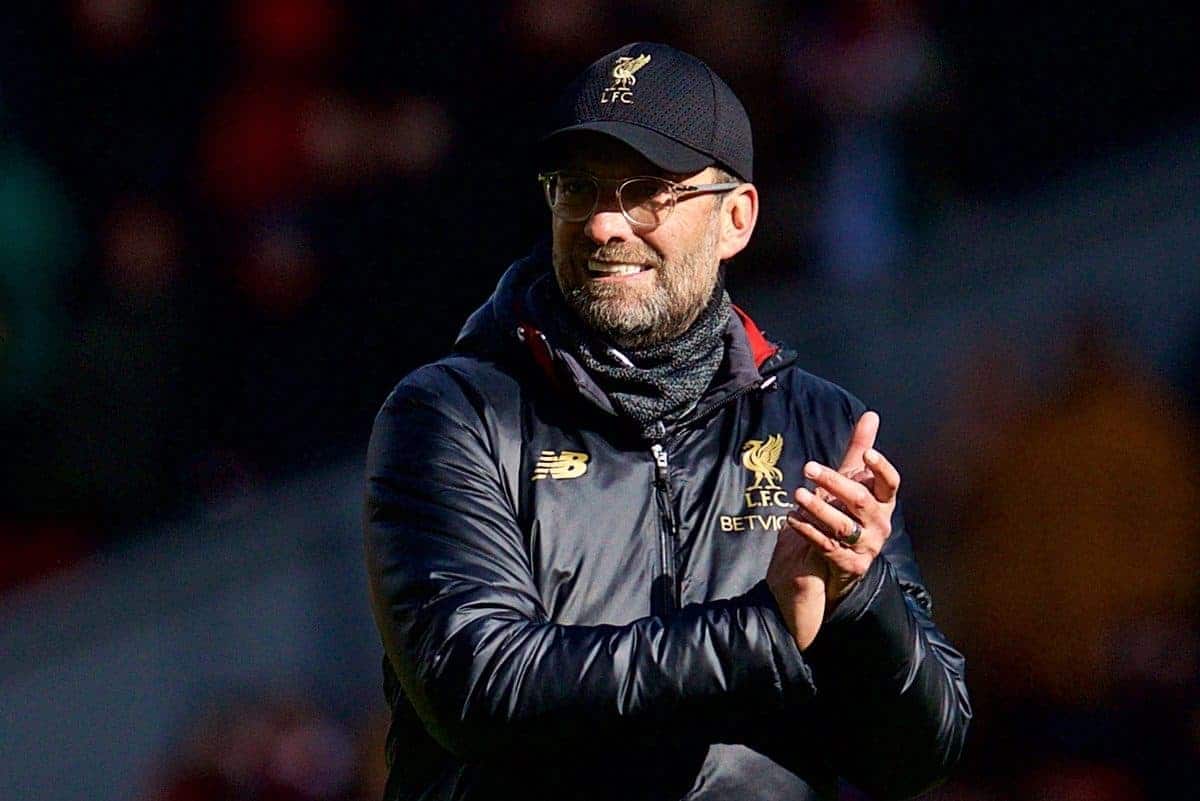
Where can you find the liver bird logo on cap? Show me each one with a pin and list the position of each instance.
(624, 69)
(621, 90)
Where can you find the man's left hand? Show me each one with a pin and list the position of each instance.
(849, 518)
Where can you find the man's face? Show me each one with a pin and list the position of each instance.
(636, 286)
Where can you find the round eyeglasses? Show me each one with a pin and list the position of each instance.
(645, 201)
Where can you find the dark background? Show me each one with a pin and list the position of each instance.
(226, 230)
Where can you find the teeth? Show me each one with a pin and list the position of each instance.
(615, 269)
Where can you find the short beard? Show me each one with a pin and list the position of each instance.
(682, 288)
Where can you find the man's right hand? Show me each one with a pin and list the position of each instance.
(796, 577)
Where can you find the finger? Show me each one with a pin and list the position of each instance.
(813, 535)
(833, 521)
(840, 556)
(861, 439)
(887, 477)
(844, 491)
(864, 477)
(861, 476)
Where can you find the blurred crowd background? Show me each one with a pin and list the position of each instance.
(227, 229)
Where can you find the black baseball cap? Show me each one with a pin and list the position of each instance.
(665, 104)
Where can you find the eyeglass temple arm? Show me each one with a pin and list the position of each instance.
(721, 187)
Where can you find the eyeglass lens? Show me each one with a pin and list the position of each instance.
(645, 201)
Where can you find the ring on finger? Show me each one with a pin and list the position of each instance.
(854, 536)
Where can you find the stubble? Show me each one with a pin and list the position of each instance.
(634, 316)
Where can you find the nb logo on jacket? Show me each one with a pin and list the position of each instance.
(563, 464)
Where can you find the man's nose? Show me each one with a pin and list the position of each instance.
(607, 223)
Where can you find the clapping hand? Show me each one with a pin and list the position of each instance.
(835, 532)
(849, 516)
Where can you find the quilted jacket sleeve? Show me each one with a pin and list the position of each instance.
(892, 698)
(463, 626)
(891, 691)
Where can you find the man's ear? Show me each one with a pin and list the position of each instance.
(739, 213)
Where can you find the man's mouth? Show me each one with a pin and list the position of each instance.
(606, 269)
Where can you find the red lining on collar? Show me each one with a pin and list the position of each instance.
(539, 349)
(760, 348)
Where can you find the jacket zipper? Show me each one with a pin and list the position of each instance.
(759, 384)
(668, 530)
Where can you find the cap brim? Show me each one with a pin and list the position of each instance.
(661, 151)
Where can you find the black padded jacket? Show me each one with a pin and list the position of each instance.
(570, 611)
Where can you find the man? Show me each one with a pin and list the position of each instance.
(588, 571)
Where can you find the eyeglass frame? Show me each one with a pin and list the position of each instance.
(679, 191)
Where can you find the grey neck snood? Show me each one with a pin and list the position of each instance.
(653, 385)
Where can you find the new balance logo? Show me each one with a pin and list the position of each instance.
(564, 464)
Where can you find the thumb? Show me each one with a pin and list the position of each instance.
(862, 439)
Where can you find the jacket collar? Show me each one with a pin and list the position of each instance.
(507, 321)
